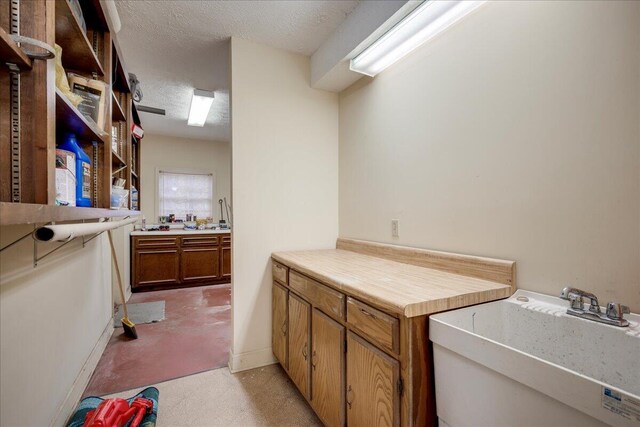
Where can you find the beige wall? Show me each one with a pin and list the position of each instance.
(515, 134)
(183, 153)
(285, 181)
(51, 318)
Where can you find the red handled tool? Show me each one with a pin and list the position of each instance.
(116, 413)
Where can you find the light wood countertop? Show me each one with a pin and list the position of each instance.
(396, 287)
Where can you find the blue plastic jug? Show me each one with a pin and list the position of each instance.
(83, 171)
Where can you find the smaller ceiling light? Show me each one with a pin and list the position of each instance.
(421, 24)
(200, 105)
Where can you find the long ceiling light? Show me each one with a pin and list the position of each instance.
(200, 105)
(423, 23)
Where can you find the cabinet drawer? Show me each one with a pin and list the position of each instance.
(374, 324)
(226, 240)
(321, 296)
(279, 272)
(200, 241)
(156, 242)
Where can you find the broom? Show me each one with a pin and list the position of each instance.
(128, 326)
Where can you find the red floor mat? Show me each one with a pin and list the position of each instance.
(194, 337)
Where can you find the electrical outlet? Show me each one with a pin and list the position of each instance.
(395, 223)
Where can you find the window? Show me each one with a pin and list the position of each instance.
(185, 193)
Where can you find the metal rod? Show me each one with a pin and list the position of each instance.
(85, 241)
(16, 241)
(36, 260)
(152, 110)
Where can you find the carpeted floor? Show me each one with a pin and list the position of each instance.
(259, 397)
(194, 337)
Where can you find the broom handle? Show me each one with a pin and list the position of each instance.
(115, 261)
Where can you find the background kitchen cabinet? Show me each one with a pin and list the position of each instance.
(156, 266)
(199, 264)
(174, 261)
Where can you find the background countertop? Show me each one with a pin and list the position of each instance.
(177, 231)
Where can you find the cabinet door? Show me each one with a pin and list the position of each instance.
(327, 369)
(372, 381)
(200, 264)
(226, 262)
(279, 324)
(156, 267)
(299, 343)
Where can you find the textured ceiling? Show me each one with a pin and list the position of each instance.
(176, 46)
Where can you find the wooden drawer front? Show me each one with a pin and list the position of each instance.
(155, 267)
(374, 324)
(157, 242)
(226, 240)
(321, 296)
(200, 241)
(199, 264)
(280, 272)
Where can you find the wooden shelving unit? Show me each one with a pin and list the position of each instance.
(69, 119)
(117, 113)
(28, 213)
(77, 51)
(47, 115)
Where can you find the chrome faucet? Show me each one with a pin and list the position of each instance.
(613, 316)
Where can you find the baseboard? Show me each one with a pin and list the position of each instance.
(251, 359)
(70, 402)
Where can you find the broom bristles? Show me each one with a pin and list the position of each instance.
(129, 328)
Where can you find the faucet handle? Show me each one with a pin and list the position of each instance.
(576, 301)
(616, 311)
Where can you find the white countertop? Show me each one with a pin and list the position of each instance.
(177, 231)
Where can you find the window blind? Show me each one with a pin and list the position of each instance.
(185, 193)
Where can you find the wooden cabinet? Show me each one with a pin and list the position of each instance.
(172, 261)
(280, 324)
(327, 369)
(198, 264)
(372, 380)
(225, 257)
(155, 267)
(300, 344)
(348, 358)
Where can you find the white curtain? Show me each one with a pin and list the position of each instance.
(185, 193)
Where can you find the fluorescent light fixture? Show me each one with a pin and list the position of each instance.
(200, 105)
(421, 24)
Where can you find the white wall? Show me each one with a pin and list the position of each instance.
(514, 134)
(284, 177)
(51, 318)
(159, 151)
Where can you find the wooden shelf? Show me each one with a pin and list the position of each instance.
(27, 213)
(117, 113)
(77, 53)
(69, 119)
(116, 160)
(11, 52)
(134, 174)
(120, 75)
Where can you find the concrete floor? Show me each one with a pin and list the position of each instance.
(194, 337)
(259, 397)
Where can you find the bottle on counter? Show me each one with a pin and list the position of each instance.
(83, 170)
